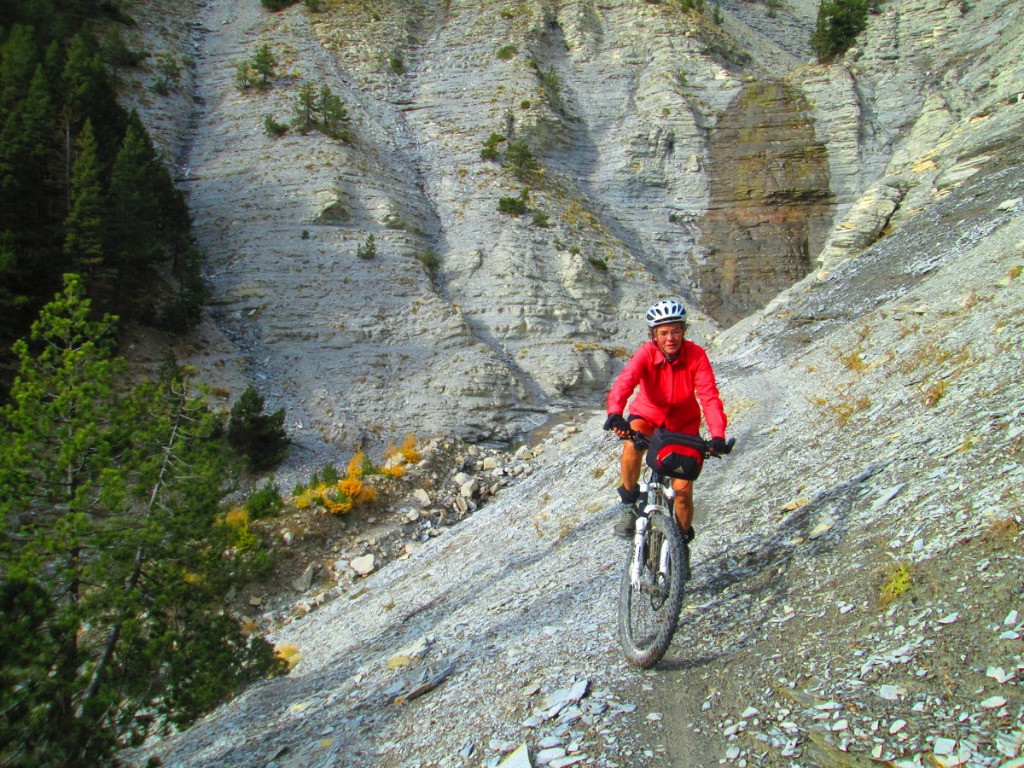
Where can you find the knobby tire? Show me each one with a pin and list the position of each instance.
(648, 618)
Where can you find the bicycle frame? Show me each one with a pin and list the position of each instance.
(658, 495)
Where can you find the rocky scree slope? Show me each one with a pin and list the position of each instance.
(857, 586)
(876, 401)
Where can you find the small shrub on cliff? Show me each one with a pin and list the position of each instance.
(321, 111)
(255, 435)
(368, 249)
(278, 5)
(236, 521)
(520, 159)
(430, 261)
(506, 52)
(895, 584)
(274, 128)
(490, 150)
(395, 459)
(340, 496)
(839, 22)
(257, 71)
(264, 502)
(513, 206)
(168, 74)
(410, 450)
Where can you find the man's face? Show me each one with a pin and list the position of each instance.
(669, 338)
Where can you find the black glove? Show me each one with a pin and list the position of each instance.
(615, 421)
(719, 445)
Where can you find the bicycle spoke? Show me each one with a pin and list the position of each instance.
(648, 614)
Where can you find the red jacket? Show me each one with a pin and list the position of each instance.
(669, 391)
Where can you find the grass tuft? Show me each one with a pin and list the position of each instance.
(896, 584)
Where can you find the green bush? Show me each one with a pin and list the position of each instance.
(264, 502)
(168, 74)
(514, 206)
(839, 23)
(329, 475)
(506, 52)
(118, 54)
(368, 249)
(255, 435)
(541, 219)
(490, 150)
(599, 264)
(264, 64)
(274, 128)
(520, 159)
(321, 111)
(278, 5)
(430, 261)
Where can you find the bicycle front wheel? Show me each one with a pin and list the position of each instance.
(649, 611)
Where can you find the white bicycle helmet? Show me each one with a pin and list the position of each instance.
(666, 311)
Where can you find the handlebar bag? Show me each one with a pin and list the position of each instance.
(676, 455)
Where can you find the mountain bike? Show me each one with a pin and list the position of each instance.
(651, 589)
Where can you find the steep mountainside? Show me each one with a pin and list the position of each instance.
(666, 154)
(856, 598)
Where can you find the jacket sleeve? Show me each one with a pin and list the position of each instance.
(627, 381)
(706, 387)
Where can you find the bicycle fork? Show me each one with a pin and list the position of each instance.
(639, 540)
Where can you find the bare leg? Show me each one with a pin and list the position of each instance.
(684, 504)
(631, 457)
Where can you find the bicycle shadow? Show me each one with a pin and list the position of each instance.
(746, 583)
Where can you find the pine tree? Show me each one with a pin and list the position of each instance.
(89, 95)
(59, 437)
(19, 57)
(112, 566)
(84, 227)
(136, 234)
(264, 64)
(839, 22)
(306, 108)
(258, 436)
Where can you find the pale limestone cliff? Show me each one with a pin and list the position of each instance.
(662, 169)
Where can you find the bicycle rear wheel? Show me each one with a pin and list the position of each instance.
(648, 615)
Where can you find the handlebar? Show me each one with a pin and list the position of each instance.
(643, 442)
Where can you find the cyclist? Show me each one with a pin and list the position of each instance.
(674, 375)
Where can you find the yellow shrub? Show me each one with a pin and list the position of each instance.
(336, 504)
(896, 584)
(409, 449)
(290, 653)
(237, 518)
(342, 496)
(355, 465)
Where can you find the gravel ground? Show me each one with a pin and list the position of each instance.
(856, 599)
(857, 587)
